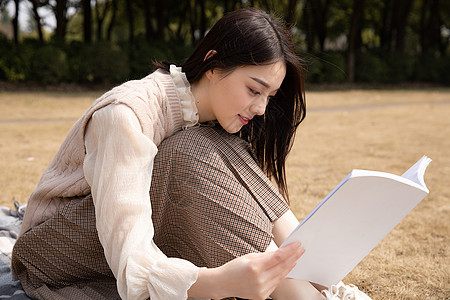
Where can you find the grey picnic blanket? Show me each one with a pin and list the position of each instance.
(10, 223)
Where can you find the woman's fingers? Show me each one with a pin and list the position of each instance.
(272, 267)
(284, 258)
(256, 275)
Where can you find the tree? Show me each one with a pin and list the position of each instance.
(377, 29)
(402, 9)
(320, 15)
(15, 21)
(148, 20)
(315, 14)
(112, 21)
(291, 15)
(130, 15)
(37, 19)
(87, 20)
(160, 19)
(353, 37)
(61, 19)
(101, 9)
(430, 26)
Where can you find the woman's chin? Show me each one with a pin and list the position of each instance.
(232, 130)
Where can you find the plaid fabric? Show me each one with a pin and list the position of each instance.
(211, 201)
(63, 258)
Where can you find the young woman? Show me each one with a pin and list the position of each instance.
(244, 75)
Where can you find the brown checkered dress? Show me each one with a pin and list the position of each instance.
(211, 203)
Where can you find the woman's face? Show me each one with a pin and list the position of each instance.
(235, 98)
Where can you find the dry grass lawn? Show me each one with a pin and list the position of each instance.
(384, 130)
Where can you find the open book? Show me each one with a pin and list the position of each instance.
(357, 214)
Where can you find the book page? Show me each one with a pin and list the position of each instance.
(417, 172)
(350, 222)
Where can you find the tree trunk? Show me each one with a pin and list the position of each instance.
(112, 21)
(422, 31)
(430, 26)
(384, 32)
(129, 4)
(226, 6)
(306, 18)
(355, 30)
(148, 20)
(182, 20)
(61, 21)
(202, 18)
(395, 16)
(99, 21)
(37, 19)
(291, 15)
(399, 19)
(100, 17)
(433, 28)
(87, 21)
(193, 22)
(320, 12)
(15, 22)
(401, 25)
(160, 19)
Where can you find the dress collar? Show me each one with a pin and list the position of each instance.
(187, 100)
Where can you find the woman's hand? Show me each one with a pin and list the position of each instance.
(252, 276)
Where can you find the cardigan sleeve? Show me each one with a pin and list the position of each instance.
(118, 167)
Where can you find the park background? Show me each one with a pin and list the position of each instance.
(377, 98)
(109, 41)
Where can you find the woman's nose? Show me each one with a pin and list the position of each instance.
(258, 107)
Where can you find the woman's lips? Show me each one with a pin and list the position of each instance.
(244, 120)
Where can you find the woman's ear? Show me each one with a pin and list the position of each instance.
(210, 54)
(209, 74)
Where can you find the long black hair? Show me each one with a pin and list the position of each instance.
(251, 36)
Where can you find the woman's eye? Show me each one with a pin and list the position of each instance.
(254, 92)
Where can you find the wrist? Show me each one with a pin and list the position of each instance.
(209, 284)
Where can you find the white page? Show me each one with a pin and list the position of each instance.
(417, 171)
(350, 222)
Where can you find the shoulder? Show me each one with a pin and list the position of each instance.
(206, 141)
(114, 115)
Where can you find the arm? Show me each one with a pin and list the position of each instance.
(271, 266)
(252, 276)
(118, 167)
(283, 226)
(291, 288)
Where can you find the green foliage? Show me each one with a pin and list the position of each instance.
(326, 67)
(100, 62)
(142, 54)
(400, 66)
(48, 64)
(12, 66)
(105, 62)
(432, 68)
(384, 67)
(388, 50)
(370, 67)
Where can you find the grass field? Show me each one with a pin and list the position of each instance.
(384, 130)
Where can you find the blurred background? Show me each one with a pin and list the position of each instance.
(379, 71)
(109, 41)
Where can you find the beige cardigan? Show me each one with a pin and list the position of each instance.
(150, 110)
(155, 102)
